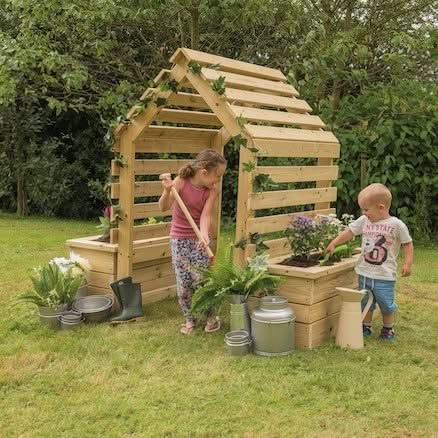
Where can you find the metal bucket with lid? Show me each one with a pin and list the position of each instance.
(273, 327)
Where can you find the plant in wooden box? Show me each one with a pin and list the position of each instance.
(55, 286)
(309, 237)
(226, 280)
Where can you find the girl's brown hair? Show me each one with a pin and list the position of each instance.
(208, 159)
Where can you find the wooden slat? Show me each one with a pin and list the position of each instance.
(153, 272)
(277, 133)
(174, 145)
(150, 209)
(152, 167)
(277, 247)
(261, 99)
(296, 149)
(279, 222)
(178, 132)
(289, 198)
(227, 64)
(188, 117)
(280, 117)
(151, 252)
(289, 174)
(152, 296)
(324, 183)
(249, 83)
(146, 231)
(187, 100)
(144, 188)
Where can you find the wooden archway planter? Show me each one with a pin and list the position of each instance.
(183, 115)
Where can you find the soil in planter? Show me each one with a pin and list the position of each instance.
(303, 262)
(105, 238)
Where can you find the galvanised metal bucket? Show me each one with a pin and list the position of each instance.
(273, 327)
(238, 342)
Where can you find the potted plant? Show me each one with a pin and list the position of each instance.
(55, 286)
(226, 280)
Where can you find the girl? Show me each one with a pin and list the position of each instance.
(196, 183)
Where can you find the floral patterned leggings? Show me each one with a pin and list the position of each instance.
(186, 255)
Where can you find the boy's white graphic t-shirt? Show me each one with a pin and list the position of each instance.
(381, 243)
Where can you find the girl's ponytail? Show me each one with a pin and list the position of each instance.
(208, 159)
(187, 171)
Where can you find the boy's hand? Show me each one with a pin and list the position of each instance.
(330, 248)
(406, 270)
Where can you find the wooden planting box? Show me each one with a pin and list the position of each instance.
(311, 293)
(151, 266)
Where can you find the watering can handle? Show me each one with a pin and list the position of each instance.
(369, 302)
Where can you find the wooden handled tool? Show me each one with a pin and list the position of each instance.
(188, 216)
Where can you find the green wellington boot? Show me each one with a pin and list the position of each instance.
(130, 300)
(115, 288)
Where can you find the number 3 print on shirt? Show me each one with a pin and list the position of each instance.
(378, 254)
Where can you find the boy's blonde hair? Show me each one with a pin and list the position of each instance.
(377, 194)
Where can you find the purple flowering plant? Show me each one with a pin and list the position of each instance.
(307, 236)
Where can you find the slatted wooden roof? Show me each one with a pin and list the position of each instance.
(259, 105)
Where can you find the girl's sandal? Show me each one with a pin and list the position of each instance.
(213, 326)
(187, 329)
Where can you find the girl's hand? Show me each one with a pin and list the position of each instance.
(205, 240)
(167, 184)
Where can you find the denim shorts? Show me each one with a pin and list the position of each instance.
(383, 291)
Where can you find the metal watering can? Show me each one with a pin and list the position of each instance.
(349, 333)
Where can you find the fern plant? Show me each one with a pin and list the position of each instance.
(52, 287)
(224, 279)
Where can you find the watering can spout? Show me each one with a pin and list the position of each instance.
(349, 333)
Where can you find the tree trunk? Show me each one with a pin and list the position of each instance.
(340, 65)
(21, 194)
(181, 30)
(195, 14)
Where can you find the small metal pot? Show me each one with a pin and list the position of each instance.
(94, 308)
(65, 325)
(239, 342)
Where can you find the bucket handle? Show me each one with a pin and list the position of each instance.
(369, 302)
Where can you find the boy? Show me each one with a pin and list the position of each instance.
(382, 236)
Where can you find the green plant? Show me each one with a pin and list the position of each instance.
(218, 85)
(224, 279)
(194, 67)
(53, 286)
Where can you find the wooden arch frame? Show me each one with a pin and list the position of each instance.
(260, 107)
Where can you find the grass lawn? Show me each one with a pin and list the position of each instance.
(146, 379)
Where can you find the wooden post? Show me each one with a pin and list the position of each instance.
(243, 211)
(126, 202)
(217, 143)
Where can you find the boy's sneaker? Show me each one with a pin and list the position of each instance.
(387, 334)
(366, 330)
